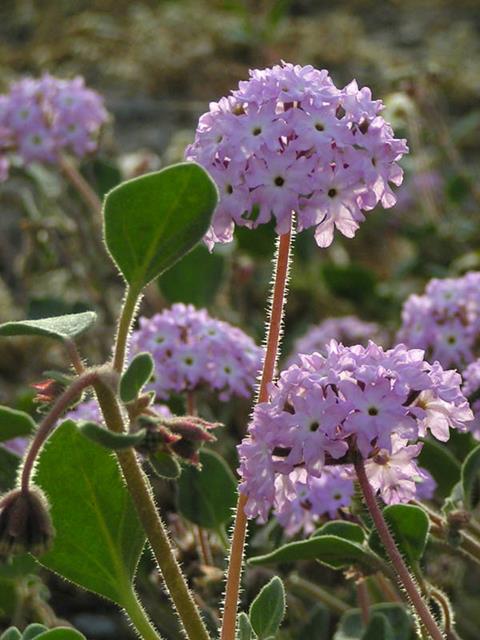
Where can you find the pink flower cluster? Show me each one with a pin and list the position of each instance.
(40, 118)
(348, 330)
(445, 320)
(190, 350)
(471, 389)
(352, 401)
(287, 140)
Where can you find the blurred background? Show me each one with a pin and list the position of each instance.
(158, 64)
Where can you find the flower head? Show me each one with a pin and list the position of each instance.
(351, 401)
(190, 349)
(288, 140)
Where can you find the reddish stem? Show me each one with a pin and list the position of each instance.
(398, 563)
(240, 528)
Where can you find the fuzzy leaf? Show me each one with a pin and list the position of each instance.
(33, 631)
(342, 529)
(15, 424)
(138, 373)
(207, 496)
(379, 628)
(245, 631)
(153, 220)
(268, 609)
(9, 464)
(11, 634)
(442, 464)
(61, 633)
(351, 626)
(471, 479)
(108, 439)
(98, 537)
(59, 327)
(165, 466)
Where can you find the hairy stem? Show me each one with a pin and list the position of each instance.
(79, 183)
(139, 618)
(271, 354)
(45, 427)
(363, 600)
(74, 356)
(398, 563)
(124, 325)
(142, 495)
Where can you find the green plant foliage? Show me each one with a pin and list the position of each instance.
(245, 631)
(61, 633)
(59, 327)
(108, 439)
(207, 496)
(33, 631)
(196, 280)
(14, 424)
(351, 626)
(9, 464)
(268, 609)
(333, 551)
(342, 529)
(138, 373)
(153, 220)
(98, 537)
(410, 526)
(40, 632)
(470, 478)
(442, 464)
(165, 466)
(317, 626)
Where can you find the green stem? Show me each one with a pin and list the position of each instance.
(138, 617)
(142, 495)
(124, 325)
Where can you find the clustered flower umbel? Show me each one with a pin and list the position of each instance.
(41, 118)
(445, 320)
(348, 330)
(287, 140)
(192, 350)
(353, 401)
(471, 389)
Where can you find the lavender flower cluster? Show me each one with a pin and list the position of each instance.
(445, 320)
(352, 401)
(40, 118)
(288, 140)
(348, 330)
(190, 350)
(471, 389)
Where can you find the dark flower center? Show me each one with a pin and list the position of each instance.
(332, 193)
(372, 411)
(279, 181)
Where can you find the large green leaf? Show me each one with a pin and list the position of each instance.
(268, 609)
(196, 279)
(342, 529)
(136, 376)
(410, 526)
(61, 633)
(352, 627)
(333, 551)
(98, 537)
(9, 464)
(153, 220)
(470, 478)
(442, 464)
(59, 327)
(207, 496)
(109, 439)
(379, 628)
(14, 424)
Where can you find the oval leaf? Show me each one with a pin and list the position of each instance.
(15, 424)
(153, 220)
(410, 526)
(379, 628)
(165, 466)
(33, 631)
(268, 609)
(98, 537)
(136, 376)
(351, 626)
(207, 496)
(61, 633)
(442, 464)
(470, 478)
(9, 464)
(335, 552)
(245, 631)
(108, 439)
(59, 327)
(342, 529)
(11, 634)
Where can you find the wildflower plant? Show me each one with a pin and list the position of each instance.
(343, 446)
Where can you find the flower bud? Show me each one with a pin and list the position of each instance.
(193, 433)
(25, 523)
(157, 436)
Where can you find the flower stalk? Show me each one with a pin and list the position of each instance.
(234, 571)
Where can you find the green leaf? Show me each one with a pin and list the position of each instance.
(379, 628)
(410, 526)
(165, 466)
(33, 631)
(15, 424)
(333, 551)
(11, 634)
(108, 439)
(136, 376)
(61, 633)
(342, 529)
(58, 327)
(98, 537)
(153, 220)
(351, 626)
(317, 626)
(470, 478)
(9, 464)
(207, 496)
(442, 464)
(245, 631)
(196, 279)
(268, 609)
